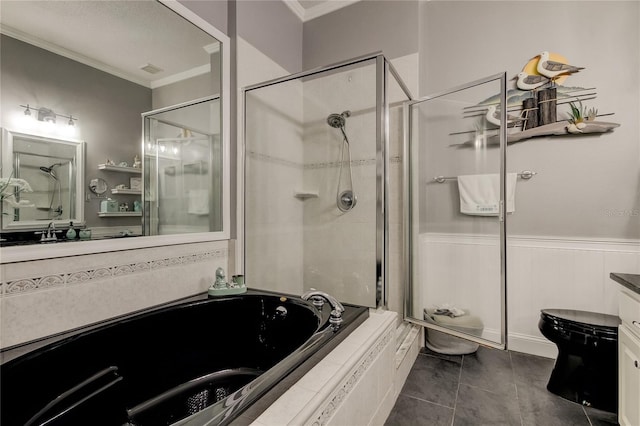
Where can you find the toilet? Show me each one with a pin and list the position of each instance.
(586, 370)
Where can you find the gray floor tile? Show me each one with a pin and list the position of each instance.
(454, 358)
(410, 411)
(477, 406)
(539, 407)
(527, 368)
(495, 388)
(601, 418)
(489, 369)
(433, 379)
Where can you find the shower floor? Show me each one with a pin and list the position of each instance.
(490, 387)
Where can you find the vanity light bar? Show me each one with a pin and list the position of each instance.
(46, 114)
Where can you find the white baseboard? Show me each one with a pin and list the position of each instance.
(533, 345)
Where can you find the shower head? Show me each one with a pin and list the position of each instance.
(49, 170)
(338, 121)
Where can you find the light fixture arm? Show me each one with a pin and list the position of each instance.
(48, 115)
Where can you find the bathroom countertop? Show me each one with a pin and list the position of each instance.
(630, 281)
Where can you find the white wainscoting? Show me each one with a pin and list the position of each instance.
(542, 272)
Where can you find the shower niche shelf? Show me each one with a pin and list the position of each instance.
(305, 195)
(119, 169)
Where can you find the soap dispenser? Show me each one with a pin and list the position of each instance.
(71, 232)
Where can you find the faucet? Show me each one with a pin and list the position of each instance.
(49, 234)
(318, 298)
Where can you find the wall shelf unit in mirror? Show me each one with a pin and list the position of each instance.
(126, 191)
(120, 214)
(102, 87)
(121, 169)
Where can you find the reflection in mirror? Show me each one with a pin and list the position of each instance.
(98, 186)
(99, 65)
(183, 168)
(49, 172)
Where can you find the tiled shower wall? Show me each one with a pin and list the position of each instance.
(44, 297)
(297, 243)
(340, 247)
(274, 172)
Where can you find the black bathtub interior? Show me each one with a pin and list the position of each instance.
(167, 364)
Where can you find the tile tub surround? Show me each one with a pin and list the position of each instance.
(345, 386)
(44, 297)
(489, 387)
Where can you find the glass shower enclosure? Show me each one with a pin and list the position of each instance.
(183, 168)
(316, 160)
(456, 212)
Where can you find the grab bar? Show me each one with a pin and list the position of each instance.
(74, 389)
(150, 403)
(525, 174)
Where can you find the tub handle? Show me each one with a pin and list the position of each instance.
(636, 323)
(191, 384)
(57, 400)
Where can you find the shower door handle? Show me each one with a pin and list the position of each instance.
(501, 211)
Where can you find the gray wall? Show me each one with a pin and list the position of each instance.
(108, 109)
(271, 27)
(212, 11)
(587, 186)
(364, 27)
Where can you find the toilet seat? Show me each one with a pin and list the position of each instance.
(567, 323)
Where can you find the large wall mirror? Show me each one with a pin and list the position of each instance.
(77, 80)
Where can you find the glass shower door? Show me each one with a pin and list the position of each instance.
(455, 187)
(183, 169)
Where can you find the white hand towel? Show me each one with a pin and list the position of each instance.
(480, 194)
(198, 201)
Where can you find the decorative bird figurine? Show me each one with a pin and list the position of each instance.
(530, 82)
(493, 117)
(553, 69)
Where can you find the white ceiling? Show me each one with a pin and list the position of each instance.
(121, 36)
(118, 37)
(310, 9)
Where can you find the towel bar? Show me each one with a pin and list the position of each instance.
(525, 174)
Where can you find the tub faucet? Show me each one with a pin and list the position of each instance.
(317, 299)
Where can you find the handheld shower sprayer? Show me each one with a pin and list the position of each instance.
(345, 200)
(56, 185)
(337, 121)
(49, 170)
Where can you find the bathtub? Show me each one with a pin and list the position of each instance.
(192, 362)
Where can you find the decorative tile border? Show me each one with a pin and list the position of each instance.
(273, 160)
(313, 166)
(341, 393)
(25, 285)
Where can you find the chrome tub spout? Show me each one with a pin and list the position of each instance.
(318, 297)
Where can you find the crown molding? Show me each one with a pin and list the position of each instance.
(193, 72)
(43, 44)
(51, 47)
(318, 10)
(296, 8)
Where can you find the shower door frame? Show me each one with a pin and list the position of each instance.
(502, 217)
(225, 198)
(383, 67)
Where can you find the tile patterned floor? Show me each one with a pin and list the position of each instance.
(490, 387)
